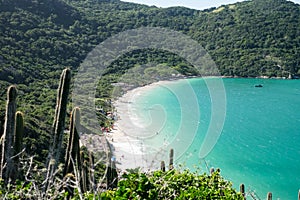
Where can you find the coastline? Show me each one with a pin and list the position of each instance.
(129, 151)
(139, 160)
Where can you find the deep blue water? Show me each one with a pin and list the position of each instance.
(258, 144)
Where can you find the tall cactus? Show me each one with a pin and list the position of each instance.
(171, 162)
(112, 175)
(242, 190)
(269, 196)
(19, 132)
(85, 176)
(72, 157)
(91, 171)
(162, 166)
(9, 130)
(83, 172)
(87, 181)
(17, 144)
(72, 152)
(58, 124)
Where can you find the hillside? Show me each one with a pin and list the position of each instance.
(39, 39)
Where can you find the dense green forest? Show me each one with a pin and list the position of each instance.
(40, 38)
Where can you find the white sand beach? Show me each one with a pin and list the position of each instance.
(126, 138)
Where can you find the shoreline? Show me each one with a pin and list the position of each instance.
(129, 151)
(157, 166)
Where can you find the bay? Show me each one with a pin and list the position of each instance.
(258, 144)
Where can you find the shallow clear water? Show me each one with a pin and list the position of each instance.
(258, 145)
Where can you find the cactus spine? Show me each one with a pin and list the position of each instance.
(7, 137)
(58, 124)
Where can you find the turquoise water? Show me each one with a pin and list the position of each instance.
(258, 145)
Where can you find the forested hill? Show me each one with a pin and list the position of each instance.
(252, 38)
(39, 38)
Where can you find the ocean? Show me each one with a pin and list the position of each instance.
(251, 133)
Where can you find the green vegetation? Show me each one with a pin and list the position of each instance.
(47, 179)
(137, 185)
(38, 40)
(172, 185)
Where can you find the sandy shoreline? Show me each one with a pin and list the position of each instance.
(128, 148)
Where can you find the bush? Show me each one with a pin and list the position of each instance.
(172, 185)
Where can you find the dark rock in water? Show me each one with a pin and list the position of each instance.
(258, 85)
